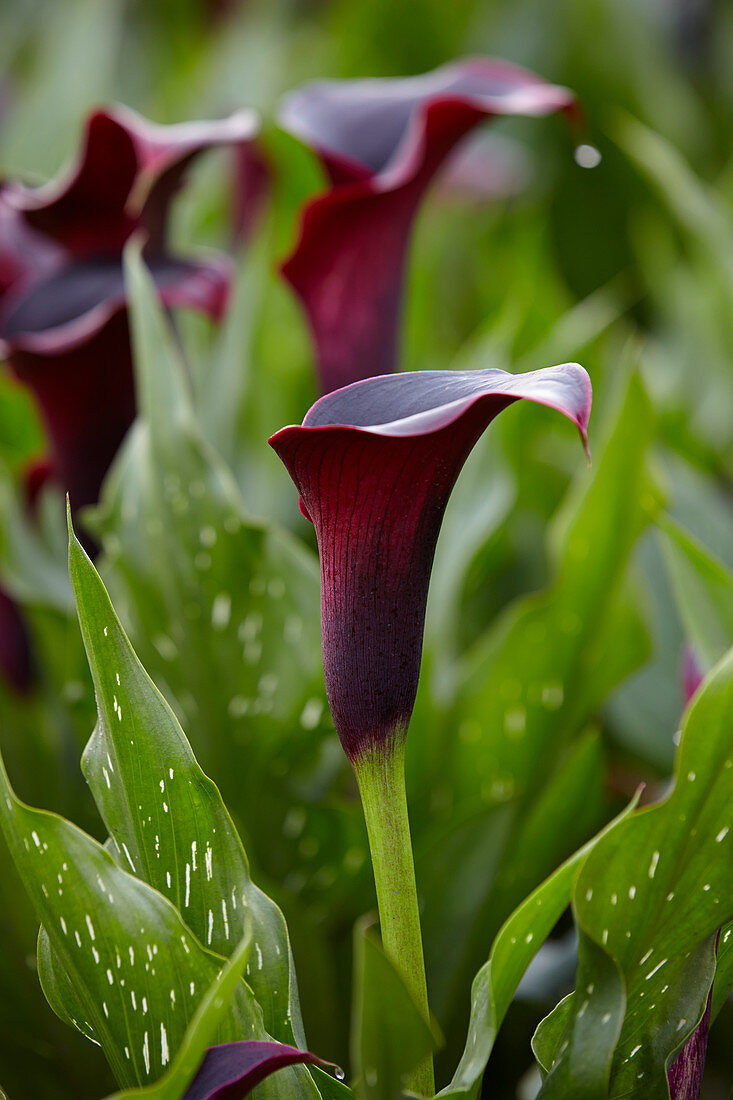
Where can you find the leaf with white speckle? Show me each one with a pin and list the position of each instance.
(166, 818)
(100, 922)
(648, 902)
(518, 941)
(703, 589)
(223, 609)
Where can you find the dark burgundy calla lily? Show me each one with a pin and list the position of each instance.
(63, 321)
(375, 464)
(381, 143)
(232, 1070)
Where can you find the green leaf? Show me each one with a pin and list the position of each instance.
(695, 206)
(330, 1087)
(137, 972)
(389, 1034)
(703, 589)
(515, 946)
(523, 699)
(474, 512)
(76, 49)
(648, 901)
(223, 390)
(224, 611)
(201, 1032)
(166, 818)
(532, 680)
(32, 569)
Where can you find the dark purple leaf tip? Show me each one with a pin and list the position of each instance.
(232, 1070)
(375, 464)
(381, 143)
(685, 1076)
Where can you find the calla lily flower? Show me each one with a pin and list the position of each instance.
(63, 320)
(231, 1070)
(381, 142)
(375, 464)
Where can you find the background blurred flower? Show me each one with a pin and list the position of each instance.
(63, 321)
(375, 464)
(381, 143)
(251, 190)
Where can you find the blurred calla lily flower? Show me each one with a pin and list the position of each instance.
(381, 142)
(375, 464)
(63, 321)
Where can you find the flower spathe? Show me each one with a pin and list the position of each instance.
(63, 322)
(381, 143)
(375, 464)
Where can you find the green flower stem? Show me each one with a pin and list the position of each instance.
(380, 775)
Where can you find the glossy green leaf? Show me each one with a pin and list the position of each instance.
(648, 902)
(223, 388)
(497, 981)
(703, 589)
(75, 57)
(137, 972)
(329, 1087)
(224, 611)
(695, 205)
(201, 1032)
(523, 696)
(389, 1035)
(166, 818)
(531, 682)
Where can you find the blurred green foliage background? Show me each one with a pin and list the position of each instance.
(628, 265)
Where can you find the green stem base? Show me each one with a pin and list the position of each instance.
(380, 775)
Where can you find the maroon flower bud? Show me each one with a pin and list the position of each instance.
(375, 464)
(63, 319)
(381, 143)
